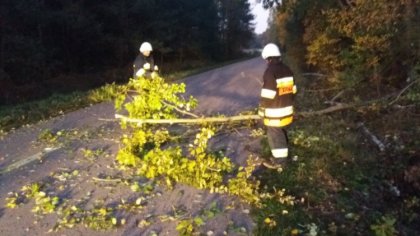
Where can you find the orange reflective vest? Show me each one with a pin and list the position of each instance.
(276, 104)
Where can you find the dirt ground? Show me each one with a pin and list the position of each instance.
(67, 171)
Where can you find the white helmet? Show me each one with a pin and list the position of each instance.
(270, 50)
(146, 46)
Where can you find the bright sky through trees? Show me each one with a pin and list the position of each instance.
(261, 16)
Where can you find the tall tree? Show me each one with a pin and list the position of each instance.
(236, 29)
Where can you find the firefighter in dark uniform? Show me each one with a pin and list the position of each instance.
(276, 104)
(144, 65)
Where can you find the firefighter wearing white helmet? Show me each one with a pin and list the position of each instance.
(145, 47)
(270, 50)
(276, 104)
(144, 64)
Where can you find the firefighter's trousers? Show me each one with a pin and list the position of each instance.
(278, 141)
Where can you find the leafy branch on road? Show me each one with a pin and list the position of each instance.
(149, 150)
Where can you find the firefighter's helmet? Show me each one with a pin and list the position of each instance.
(146, 46)
(270, 50)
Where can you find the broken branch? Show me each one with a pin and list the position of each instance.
(372, 137)
(338, 107)
(314, 74)
(181, 111)
(196, 120)
(402, 91)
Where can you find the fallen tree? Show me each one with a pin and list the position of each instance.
(185, 121)
(197, 119)
(337, 107)
(156, 152)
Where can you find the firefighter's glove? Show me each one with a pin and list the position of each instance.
(146, 66)
(140, 72)
(154, 75)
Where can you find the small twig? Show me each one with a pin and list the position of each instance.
(372, 137)
(332, 101)
(216, 170)
(320, 90)
(338, 107)
(314, 74)
(181, 111)
(106, 180)
(258, 80)
(397, 106)
(131, 98)
(337, 96)
(237, 131)
(403, 91)
(108, 120)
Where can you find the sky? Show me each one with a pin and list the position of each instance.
(261, 16)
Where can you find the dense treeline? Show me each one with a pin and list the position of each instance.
(351, 40)
(53, 46)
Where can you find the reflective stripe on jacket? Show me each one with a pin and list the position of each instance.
(276, 104)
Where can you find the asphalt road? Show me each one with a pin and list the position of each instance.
(228, 90)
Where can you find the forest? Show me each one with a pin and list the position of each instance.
(49, 46)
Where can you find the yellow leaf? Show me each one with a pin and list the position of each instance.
(294, 232)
